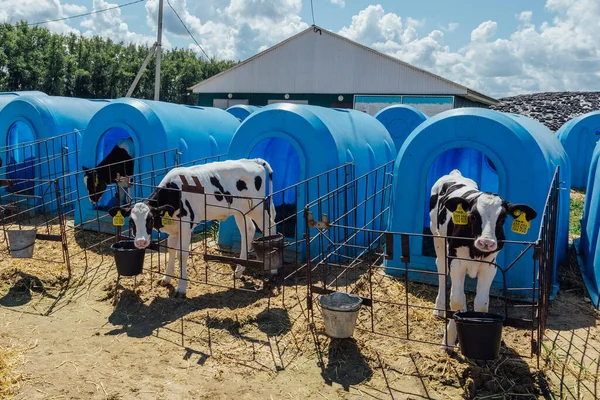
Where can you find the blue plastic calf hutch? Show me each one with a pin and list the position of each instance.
(508, 154)
(301, 142)
(579, 136)
(161, 135)
(400, 120)
(40, 136)
(7, 97)
(588, 245)
(242, 111)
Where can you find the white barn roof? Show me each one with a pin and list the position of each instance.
(319, 61)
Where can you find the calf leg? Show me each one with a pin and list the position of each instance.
(261, 218)
(247, 230)
(458, 302)
(440, 300)
(186, 238)
(172, 249)
(485, 276)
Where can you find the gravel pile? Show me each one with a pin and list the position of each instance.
(552, 109)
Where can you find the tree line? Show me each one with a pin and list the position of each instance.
(33, 58)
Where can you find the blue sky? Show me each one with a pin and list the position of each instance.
(500, 48)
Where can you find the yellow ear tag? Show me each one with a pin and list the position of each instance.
(520, 225)
(459, 216)
(166, 219)
(96, 181)
(118, 219)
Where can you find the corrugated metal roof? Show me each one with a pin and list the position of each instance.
(304, 64)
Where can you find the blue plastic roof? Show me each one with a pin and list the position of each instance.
(241, 111)
(7, 97)
(400, 120)
(579, 136)
(302, 141)
(524, 154)
(589, 243)
(155, 127)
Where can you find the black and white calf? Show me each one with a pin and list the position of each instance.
(234, 187)
(480, 237)
(117, 163)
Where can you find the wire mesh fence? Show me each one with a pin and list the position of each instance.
(351, 259)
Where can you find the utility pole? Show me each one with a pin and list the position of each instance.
(155, 49)
(158, 51)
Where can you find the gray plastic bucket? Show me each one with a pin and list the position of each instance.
(340, 311)
(21, 242)
(269, 249)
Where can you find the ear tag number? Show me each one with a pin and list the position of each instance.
(118, 219)
(459, 216)
(520, 225)
(166, 219)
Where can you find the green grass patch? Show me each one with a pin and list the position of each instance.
(577, 200)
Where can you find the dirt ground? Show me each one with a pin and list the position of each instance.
(74, 339)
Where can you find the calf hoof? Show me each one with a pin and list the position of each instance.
(447, 349)
(239, 271)
(179, 294)
(164, 281)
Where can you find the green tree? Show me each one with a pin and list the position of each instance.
(71, 65)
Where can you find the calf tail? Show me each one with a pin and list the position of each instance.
(269, 170)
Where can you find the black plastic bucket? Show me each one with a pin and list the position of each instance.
(129, 259)
(479, 334)
(269, 249)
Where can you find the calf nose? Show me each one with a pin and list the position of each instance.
(141, 243)
(487, 244)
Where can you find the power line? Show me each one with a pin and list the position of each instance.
(89, 13)
(188, 31)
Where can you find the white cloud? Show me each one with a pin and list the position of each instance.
(452, 26)
(484, 31)
(73, 9)
(36, 11)
(525, 16)
(234, 29)
(562, 54)
(110, 24)
(341, 3)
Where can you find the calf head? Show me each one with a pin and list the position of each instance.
(142, 219)
(486, 216)
(94, 185)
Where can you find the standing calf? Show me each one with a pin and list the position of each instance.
(480, 237)
(223, 183)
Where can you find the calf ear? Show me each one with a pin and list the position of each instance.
(452, 203)
(125, 211)
(516, 209)
(85, 169)
(164, 209)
